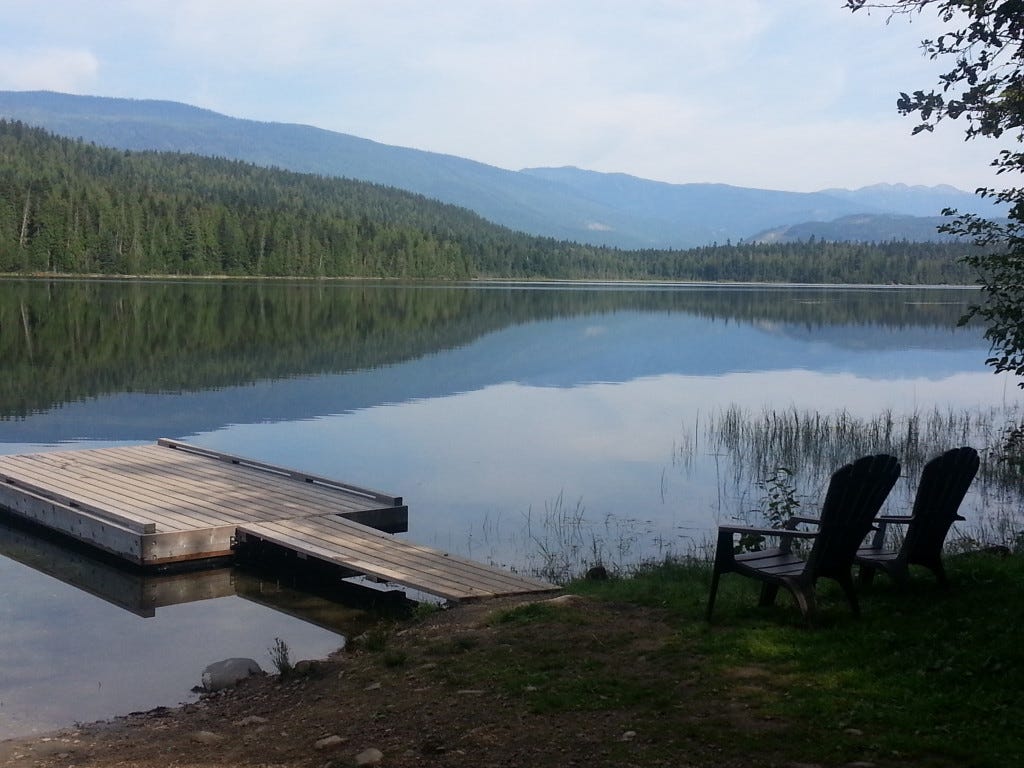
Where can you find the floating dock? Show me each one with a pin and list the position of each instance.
(171, 503)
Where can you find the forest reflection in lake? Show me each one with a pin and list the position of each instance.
(490, 408)
(539, 427)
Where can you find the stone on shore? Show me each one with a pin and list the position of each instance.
(228, 673)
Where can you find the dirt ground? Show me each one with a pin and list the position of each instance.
(429, 694)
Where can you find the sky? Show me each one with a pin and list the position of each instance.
(796, 95)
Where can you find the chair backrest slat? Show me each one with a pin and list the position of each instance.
(855, 495)
(944, 483)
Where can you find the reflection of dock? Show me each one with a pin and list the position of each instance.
(144, 593)
(173, 503)
(129, 589)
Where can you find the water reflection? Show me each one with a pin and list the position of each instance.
(67, 341)
(524, 427)
(66, 656)
(86, 639)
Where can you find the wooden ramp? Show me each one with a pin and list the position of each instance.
(171, 503)
(356, 548)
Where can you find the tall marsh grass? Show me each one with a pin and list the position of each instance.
(762, 467)
(811, 445)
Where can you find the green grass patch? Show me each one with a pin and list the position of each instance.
(526, 614)
(928, 676)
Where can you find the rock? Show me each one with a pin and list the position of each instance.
(308, 668)
(564, 600)
(227, 673)
(369, 757)
(251, 720)
(853, 732)
(207, 737)
(329, 742)
(628, 736)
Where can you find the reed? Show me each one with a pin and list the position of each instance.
(810, 444)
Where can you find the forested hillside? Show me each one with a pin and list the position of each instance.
(71, 207)
(66, 206)
(602, 209)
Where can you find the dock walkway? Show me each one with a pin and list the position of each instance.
(172, 502)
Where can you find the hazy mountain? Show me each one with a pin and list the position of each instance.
(865, 227)
(566, 203)
(917, 200)
(712, 212)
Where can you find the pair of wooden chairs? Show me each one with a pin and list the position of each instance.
(849, 513)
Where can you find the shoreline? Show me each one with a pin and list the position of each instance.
(477, 282)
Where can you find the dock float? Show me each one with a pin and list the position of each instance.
(170, 502)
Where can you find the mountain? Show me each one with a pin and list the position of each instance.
(564, 203)
(707, 212)
(917, 200)
(865, 228)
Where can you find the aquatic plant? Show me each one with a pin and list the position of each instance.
(280, 657)
(812, 444)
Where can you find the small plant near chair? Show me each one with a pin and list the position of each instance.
(778, 506)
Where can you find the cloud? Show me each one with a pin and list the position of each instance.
(791, 94)
(72, 70)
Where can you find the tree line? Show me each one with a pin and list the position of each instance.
(69, 207)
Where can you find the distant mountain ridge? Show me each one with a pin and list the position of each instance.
(862, 227)
(566, 203)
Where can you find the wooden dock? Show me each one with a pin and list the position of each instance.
(170, 502)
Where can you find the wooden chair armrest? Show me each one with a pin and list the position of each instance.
(798, 519)
(734, 529)
(894, 518)
(882, 522)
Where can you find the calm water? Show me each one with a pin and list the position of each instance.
(530, 427)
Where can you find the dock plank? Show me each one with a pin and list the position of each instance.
(356, 547)
(181, 493)
(118, 494)
(338, 532)
(170, 502)
(70, 493)
(243, 483)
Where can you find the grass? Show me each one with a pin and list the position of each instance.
(925, 677)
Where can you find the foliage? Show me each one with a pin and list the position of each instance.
(778, 506)
(985, 86)
(67, 207)
(280, 657)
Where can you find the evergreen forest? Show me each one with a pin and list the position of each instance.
(69, 207)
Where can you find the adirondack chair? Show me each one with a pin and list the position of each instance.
(854, 497)
(944, 483)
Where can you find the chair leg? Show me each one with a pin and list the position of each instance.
(866, 574)
(900, 573)
(806, 602)
(940, 574)
(846, 582)
(768, 593)
(714, 591)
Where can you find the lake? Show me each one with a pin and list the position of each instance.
(542, 428)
